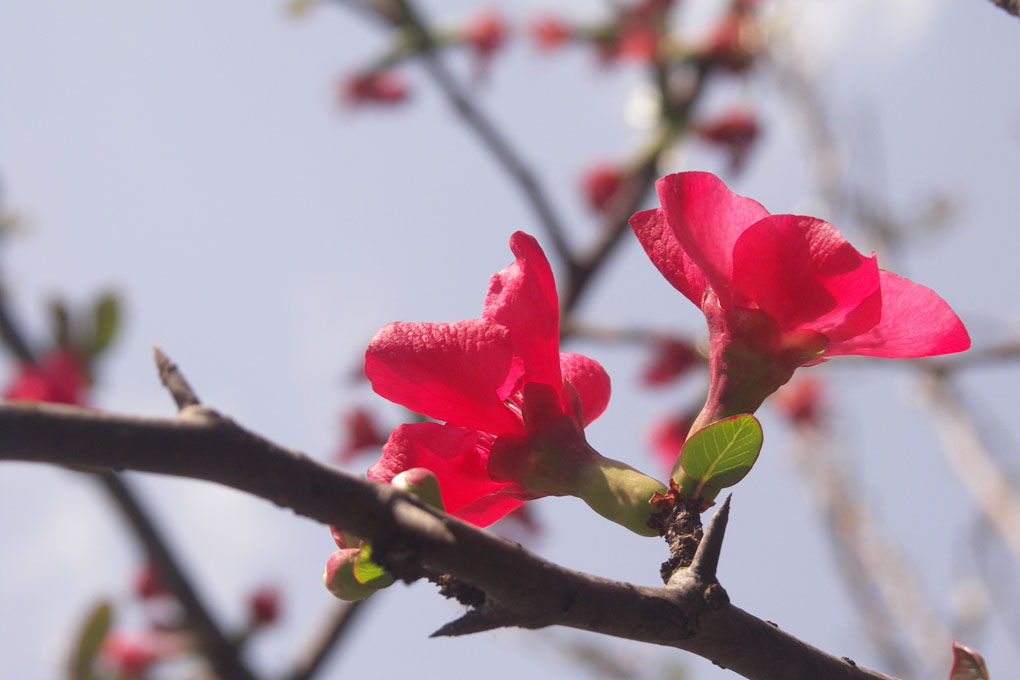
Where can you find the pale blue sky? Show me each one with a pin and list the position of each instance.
(192, 156)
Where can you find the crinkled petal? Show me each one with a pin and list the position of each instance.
(707, 219)
(915, 322)
(667, 255)
(458, 457)
(804, 274)
(591, 382)
(455, 372)
(522, 297)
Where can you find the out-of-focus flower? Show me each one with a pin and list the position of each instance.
(264, 605)
(550, 32)
(636, 32)
(781, 291)
(486, 33)
(667, 435)
(735, 131)
(59, 377)
(360, 433)
(671, 358)
(131, 654)
(802, 401)
(737, 39)
(600, 184)
(148, 584)
(384, 87)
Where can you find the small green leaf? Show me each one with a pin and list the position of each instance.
(105, 320)
(368, 572)
(90, 638)
(719, 455)
(967, 664)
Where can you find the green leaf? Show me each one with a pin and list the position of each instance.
(90, 638)
(967, 664)
(105, 320)
(719, 455)
(368, 572)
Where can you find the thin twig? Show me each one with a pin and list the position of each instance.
(487, 132)
(987, 483)
(11, 335)
(325, 642)
(406, 534)
(883, 586)
(1011, 6)
(221, 652)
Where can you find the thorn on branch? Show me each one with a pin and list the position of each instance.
(706, 559)
(173, 380)
(475, 621)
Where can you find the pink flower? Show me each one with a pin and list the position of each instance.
(264, 605)
(600, 184)
(373, 87)
(486, 33)
(781, 291)
(513, 405)
(550, 32)
(361, 432)
(735, 131)
(59, 377)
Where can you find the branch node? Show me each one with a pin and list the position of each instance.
(173, 380)
(706, 559)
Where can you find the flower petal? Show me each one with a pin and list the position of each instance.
(667, 255)
(456, 372)
(707, 219)
(591, 382)
(459, 457)
(915, 322)
(804, 274)
(522, 297)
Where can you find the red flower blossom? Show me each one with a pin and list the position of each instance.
(374, 87)
(735, 131)
(486, 33)
(361, 432)
(600, 185)
(58, 378)
(781, 291)
(500, 384)
(671, 359)
(264, 605)
(550, 32)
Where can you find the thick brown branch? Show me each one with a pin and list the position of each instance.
(531, 591)
(1011, 6)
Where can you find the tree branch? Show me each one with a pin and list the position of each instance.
(1011, 6)
(532, 592)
